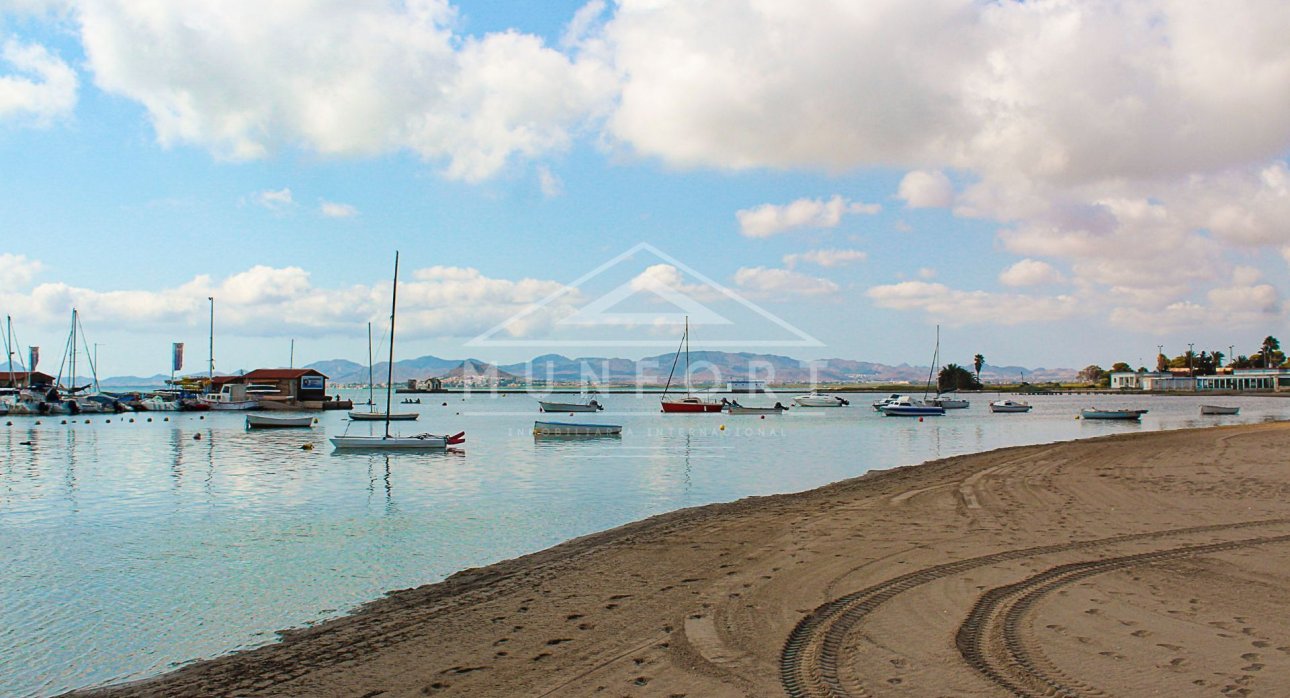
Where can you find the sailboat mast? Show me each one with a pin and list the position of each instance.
(71, 382)
(687, 356)
(8, 346)
(371, 400)
(389, 384)
(936, 357)
(210, 371)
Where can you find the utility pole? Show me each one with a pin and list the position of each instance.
(1190, 371)
(1230, 358)
(1160, 351)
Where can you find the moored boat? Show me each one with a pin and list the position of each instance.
(590, 406)
(574, 429)
(1219, 409)
(877, 404)
(264, 421)
(736, 408)
(381, 416)
(1126, 415)
(814, 399)
(950, 403)
(689, 403)
(403, 443)
(909, 407)
(1009, 406)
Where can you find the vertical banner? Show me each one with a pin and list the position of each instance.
(177, 360)
(34, 358)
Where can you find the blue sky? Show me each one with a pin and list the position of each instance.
(1054, 183)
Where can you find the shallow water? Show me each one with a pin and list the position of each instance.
(130, 548)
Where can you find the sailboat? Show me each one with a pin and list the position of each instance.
(689, 403)
(905, 406)
(371, 415)
(385, 442)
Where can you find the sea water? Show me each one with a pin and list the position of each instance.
(128, 548)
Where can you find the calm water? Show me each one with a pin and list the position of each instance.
(131, 548)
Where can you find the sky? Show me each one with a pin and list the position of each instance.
(1052, 182)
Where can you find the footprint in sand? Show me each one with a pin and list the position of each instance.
(1141, 633)
(573, 616)
(542, 656)
(1260, 643)
(1177, 661)
(1251, 656)
(559, 641)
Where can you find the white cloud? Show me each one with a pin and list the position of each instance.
(666, 279)
(768, 219)
(43, 88)
(16, 271)
(920, 189)
(825, 258)
(955, 307)
(379, 77)
(550, 184)
(332, 209)
(275, 200)
(927, 273)
(267, 301)
(771, 283)
(1030, 272)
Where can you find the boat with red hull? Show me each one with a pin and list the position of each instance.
(689, 403)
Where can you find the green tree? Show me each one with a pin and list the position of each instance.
(1091, 374)
(1162, 363)
(978, 362)
(1121, 367)
(955, 377)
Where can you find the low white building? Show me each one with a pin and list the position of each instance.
(1254, 379)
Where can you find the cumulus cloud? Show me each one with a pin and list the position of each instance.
(665, 279)
(957, 307)
(379, 77)
(920, 189)
(768, 219)
(16, 271)
(550, 184)
(1030, 272)
(825, 258)
(772, 283)
(269, 301)
(332, 209)
(42, 88)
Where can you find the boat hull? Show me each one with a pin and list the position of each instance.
(1120, 415)
(380, 416)
(912, 411)
(572, 429)
(692, 407)
(757, 410)
(419, 442)
(1010, 407)
(820, 401)
(230, 405)
(569, 406)
(259, 421)
(1219, 410)
(951, 403)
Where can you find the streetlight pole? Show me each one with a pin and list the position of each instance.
(1160, 351)
(1190, 371)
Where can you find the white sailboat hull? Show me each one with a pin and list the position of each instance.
(380, 416)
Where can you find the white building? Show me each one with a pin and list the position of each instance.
(1260, 379)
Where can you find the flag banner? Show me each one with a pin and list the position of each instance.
(34, 358)
(177, 362)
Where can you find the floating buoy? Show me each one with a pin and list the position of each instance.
(24, 443)
(202, 417)
(445, 404)
(107, 421)
(763, 416)
(132, 420)
(723, 427)
(197, 437)
(167, 419)
(920, 419)
(87, 421)
(307, 447)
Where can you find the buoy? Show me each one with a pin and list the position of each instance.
(63, 422)
(445, 404)
(763, 416)
(920, 419)
(202, 417)
(166, 419)
(87, 421)
(197, 437)
(723, 427)
(107, 421)
(132, 420)
(307, 447)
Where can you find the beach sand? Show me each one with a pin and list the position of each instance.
(1143, 564)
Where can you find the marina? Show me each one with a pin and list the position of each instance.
(158, 534)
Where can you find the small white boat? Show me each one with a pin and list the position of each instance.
(156, 403)
(909, 407)
(949, 403)
(1126, 415)
(591, 406)
(401, 443)
(572, 429)
(736, 408)
(231, 396)
(264, 421)
(814, 399)
(1219, 409)
(1009, 406)
(380, 416)
(878, 404)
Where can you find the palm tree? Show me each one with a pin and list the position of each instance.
(978, 362)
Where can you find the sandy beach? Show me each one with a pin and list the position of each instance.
(1152, 563)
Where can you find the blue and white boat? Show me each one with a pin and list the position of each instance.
(905, 406)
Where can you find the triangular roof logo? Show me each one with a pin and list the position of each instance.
(603, 311)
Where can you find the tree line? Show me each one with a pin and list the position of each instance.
(1206, 363)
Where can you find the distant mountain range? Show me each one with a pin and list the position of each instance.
(707, 367)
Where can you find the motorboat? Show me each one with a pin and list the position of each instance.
(906, 406)
(231, 396)
(590, 406)
(157, 403)
(264, 421)
(814, 399)
(877, 404)
(1219, 409)
(1125, 415)
(736, 408)
(1009, 406)
(950, 403)
(574, 429)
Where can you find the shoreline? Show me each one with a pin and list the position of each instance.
(701, 601)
